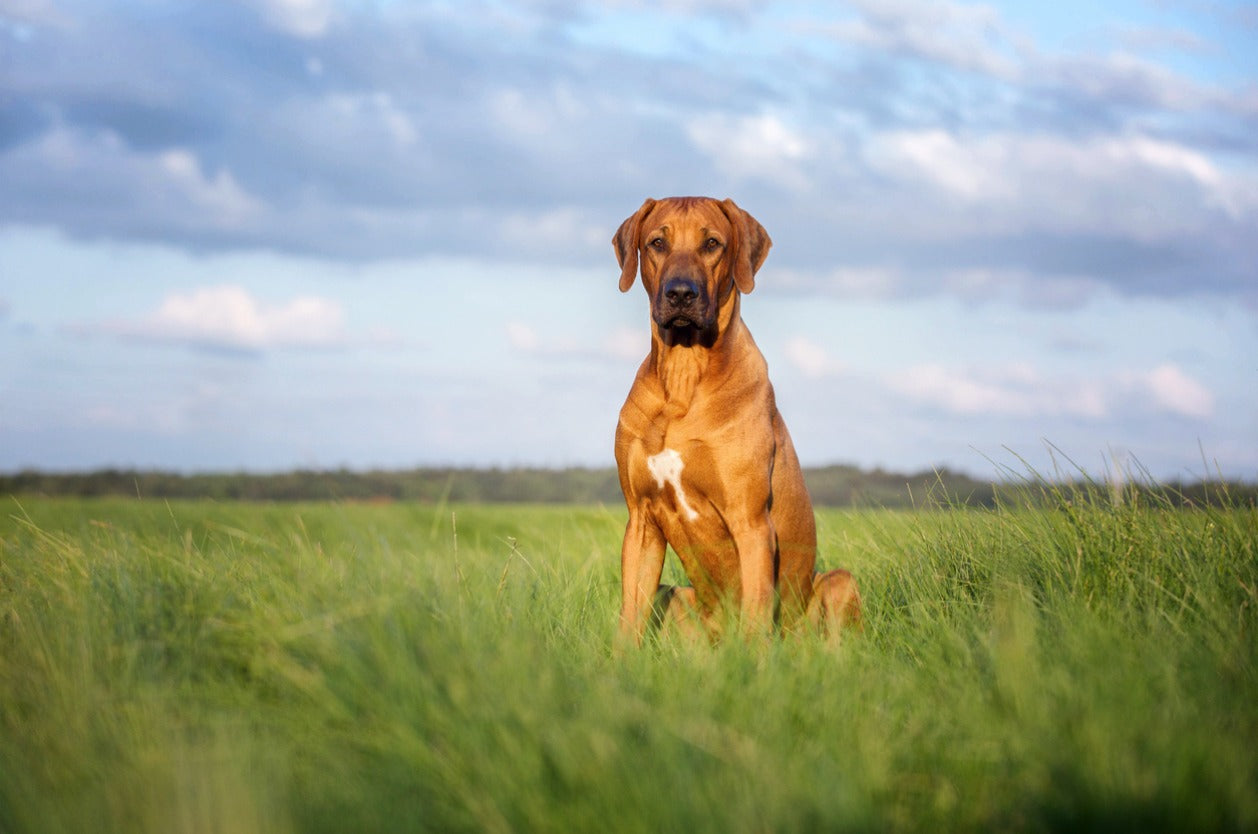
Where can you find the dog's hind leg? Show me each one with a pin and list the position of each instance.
(674, 610)
(835, 603)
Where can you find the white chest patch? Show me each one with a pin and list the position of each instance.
(666, 469)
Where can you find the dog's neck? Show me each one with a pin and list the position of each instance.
(680, 368)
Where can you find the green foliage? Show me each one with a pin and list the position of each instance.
(428, 485)
(830, 486)
(1068, 660)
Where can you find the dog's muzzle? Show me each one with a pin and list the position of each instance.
(683, 311)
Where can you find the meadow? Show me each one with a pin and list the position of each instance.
(1075, 663)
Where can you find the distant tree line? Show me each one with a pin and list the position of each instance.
(830, 486)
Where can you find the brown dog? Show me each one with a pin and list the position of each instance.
(705, 462)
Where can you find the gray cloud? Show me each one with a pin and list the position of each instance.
(910, 140)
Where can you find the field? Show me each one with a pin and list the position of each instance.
(335, 667)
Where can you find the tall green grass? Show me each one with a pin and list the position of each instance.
(206, 667)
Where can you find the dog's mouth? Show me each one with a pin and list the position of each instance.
(685, 331)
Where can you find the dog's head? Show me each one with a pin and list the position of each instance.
(694, 253)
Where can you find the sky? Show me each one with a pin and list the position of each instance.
(269, 234)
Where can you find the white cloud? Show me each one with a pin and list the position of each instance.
(1176, 392)
(191, 404)
(521, 337)
(1132, 185)
(229, 317)
(622, 344)
(556, 229)
(687, 6)
(973, 285)
(1119, 76)
(862, 282)
(628, 343)
(39, 12)
(1009, 390)
(811, 358)
(970, 170)
(219, 196)
(1022, 390)
(369, 116)
(759, 147)
(301, 18)
(960, 35)
(533, 114)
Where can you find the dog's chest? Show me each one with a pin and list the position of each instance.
(674, 480)
(665, 469)
(669, 441)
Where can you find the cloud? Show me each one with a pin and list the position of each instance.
(812, 360)
(857, 282)
(1063, 184)
(748, 147)
(941, 140)
(219, 196)
(300, 18)
(622, 344)
(1022, 390)
(230, 318)
(958, 35)
(188, 405)
(1175, 392)
(553, 230)
(1117, 78)
(522, 337)
(42, 12)
(1134, 213)
(973, 285)
(99, 182)
(1009, 390)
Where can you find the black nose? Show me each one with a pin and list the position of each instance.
(681, 293)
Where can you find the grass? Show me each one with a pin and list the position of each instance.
(220, 667)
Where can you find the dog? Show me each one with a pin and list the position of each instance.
(704, 458)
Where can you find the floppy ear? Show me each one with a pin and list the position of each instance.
(625, 242)
(750, 246)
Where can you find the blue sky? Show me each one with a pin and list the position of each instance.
(263, 234)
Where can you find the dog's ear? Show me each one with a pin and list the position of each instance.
(625, 242)
(750, 246)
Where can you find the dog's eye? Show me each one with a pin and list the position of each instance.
(711, 244)
(656, 243)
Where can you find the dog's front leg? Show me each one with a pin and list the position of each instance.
(757, 564)
(641, 565)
